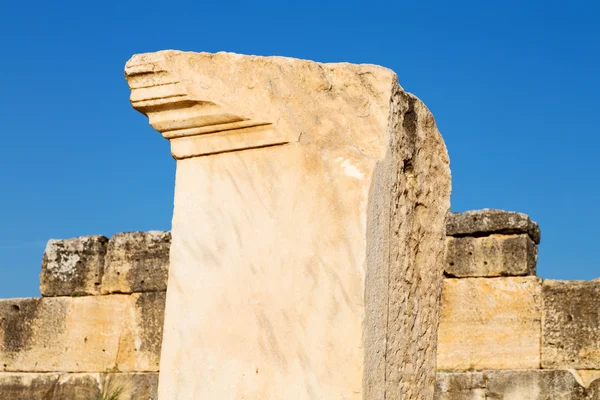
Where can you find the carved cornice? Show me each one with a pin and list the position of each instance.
(195, 126)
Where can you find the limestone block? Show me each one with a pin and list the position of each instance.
(490, 256)
(490, 323)
(77, 386)
(137, 262)
(73, 266)
(136, 386)
(85, 334)
(48, 386)
(488, 221)
(571, 324)
(533, 385)
(460, 386)
(308, 228)
(511, 385)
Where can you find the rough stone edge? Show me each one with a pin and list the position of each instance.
(407, 373)
(465, 224)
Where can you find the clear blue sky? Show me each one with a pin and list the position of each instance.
(513, 86)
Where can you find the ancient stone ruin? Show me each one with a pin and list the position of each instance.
(311, 257)
(307, 228)
(99, 322)
(504, 333)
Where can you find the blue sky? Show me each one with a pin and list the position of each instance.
(513, 86)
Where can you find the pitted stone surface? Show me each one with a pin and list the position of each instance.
(490, 256)
(77, 386)
(82, 334)
(490, 323)
(48, 386)
(512, 385)
(488, 221)
(73, 266)
(571, 324)
(137, 262)
(136, 386)
(460, 386)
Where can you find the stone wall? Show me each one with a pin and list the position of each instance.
(98, 325)
(505, 333)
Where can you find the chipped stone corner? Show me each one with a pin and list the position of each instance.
(73, 266)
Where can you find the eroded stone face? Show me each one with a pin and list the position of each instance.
(490, 256)
(490, 323)
(308, 228)
(73, 266)
(77, 386)
(135, 386)
(86, 334)
(487, 221)
(137, 262)
(571, 324)
(511, 385)
(460, 386)
(48, 386)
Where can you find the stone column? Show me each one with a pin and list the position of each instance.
(308, 228)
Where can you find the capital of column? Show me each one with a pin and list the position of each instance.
(200, 113)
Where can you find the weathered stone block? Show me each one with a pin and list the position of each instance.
(77, 386)
(511, 385)
(136, 386)
(460, 386)
(341, 306)
(86, 334)
(488, 221)
(490, 256)
(48, 386)
(490, 323)
(571, 324)
(137, 262)
(533, 385)
(73, 266)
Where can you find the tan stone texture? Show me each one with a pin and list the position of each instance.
(73, 266)
(77, 386)
(586, 377)
(84, 334)
(308, 228)
(490, 256)
(135, 386)
(594, 390)
(490, 323)
(137, 262)
(48, 386)
(571, 324)
(460, 386)
(512, 385)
